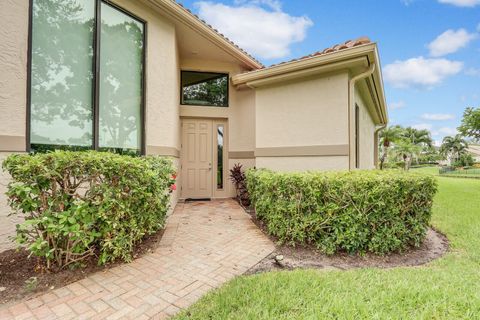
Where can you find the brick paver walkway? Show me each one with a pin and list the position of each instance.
(204, 245)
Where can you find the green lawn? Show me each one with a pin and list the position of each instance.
(448, 288)
(428, 170)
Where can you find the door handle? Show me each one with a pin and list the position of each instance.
(210, 166)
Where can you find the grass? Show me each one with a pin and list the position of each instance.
(448, 288)
(426, 170)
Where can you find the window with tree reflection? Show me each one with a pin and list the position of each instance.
(63, 77)
(204, 89)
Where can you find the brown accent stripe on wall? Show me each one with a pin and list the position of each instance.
(163, 151)
(12, 143)
(303, 151)
(241, 155)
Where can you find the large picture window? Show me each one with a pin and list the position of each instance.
(204, 89)
(86, 76)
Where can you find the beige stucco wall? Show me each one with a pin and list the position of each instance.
(13, 83)
(297, 164)
(7, 223)
(367, 133)
(13, 75)
(304, 113)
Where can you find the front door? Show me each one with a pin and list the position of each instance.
(197, 158)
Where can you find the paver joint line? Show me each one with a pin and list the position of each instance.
(204, 245)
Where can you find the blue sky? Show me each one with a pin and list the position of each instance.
(430, 49)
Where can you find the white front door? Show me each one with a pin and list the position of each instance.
(197, 158)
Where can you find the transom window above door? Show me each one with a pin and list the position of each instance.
(86, 77)
(204, 89)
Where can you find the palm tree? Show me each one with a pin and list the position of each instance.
(454, 146)
(387, 136)
(407, 150)
(419, 137)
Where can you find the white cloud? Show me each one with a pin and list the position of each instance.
(422, 126)
(420, 71)
(258, 26)
(438, 116)
(396, 105)
(450, 41)
(461, 3)
(445, 131)
(472, 72)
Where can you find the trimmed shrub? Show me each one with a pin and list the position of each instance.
(80, 204)
(356, 212)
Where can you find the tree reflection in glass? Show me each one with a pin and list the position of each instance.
(62, 88)
(121, 73)
(204, 89)
(220, 135)
(62, 77)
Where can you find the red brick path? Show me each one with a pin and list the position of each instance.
(204, 245)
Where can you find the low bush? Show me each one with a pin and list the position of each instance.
(80, 204)
(356, 212)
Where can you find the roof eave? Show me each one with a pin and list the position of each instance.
(379, 85)
(297, 65)
(179, 13)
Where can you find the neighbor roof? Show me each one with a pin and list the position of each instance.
(474, 149)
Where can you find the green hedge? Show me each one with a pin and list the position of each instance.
(80, 204)
(356, 212)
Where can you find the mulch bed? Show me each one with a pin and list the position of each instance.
(17, 270)
(286, 257)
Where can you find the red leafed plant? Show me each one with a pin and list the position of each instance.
(237, 176)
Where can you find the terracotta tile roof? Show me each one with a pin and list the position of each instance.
(338, 47)
(216, 31)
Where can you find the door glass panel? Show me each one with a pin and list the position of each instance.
(121, 84)
(220, 173)
(61, 73)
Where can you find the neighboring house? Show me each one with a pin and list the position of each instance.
(474, 150)
(149, 77)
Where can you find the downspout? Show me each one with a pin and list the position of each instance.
(351, 107)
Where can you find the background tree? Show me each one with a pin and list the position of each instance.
(454, 147)
(387, 137)
(470, 126)
(407, 151)
(418, 137)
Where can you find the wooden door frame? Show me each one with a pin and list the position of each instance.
(215, 193)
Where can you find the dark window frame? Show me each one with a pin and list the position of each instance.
(205, 105)
(96, 74)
